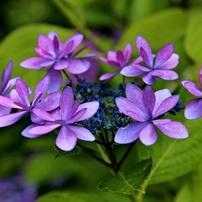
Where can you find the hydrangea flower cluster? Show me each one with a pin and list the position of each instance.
(80, 109)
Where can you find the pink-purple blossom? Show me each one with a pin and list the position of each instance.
(65, 116)
(193, 109)
(53, 55)
(151, 66)
(145, 107)
(19, 100)
(119, 60)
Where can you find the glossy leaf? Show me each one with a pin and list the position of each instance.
(131, 181)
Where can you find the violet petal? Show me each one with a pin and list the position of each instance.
(172, 129)
(66, 139)
(192, 88)
(193, 109)
(163, 55)
(10, 119)
(91, 109)
(148, 135)
(82, 133)
(108, 75)
(166, 105)
(130, 133)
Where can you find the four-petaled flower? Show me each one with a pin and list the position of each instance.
(118, 60)
(151, 69)
(20, 99)
(193, 109)
(52, 53)
(145, 107)
(65, 117)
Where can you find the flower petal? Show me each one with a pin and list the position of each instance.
(4, 110)
(43, 114)
(127, 52)
(44, 42)
(163, 55)
(131, 71)
(91, 109)
(82, 133)
(149, 79)
(61, 64)
(76, 116)
(77, 39)
(171, 63)
(148, 135)
(23, 92)
(10, 119)
(7, 102)
(161, 95)
(135, 94)
(172, 129)
(131, 109)
(142, 43)
(165, 74)
(25, 132)
(149, 99)
(192, 88)
(41, 89)
(33, 63)
(43, 129)
(108, 75)
(77, 66)
(166, 105)
(50, 102)
(193, 109)
(55, 80)
(66, 102)
(66, 139)
(130, 133)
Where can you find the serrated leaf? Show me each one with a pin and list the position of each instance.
(159, 29)
(192, 42)
(131, 181)
(173, 158)
(19, 45)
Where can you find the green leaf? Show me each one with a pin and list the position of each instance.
(19, 45)
(173, 158)
(190, 191)
(73, 196)
(131, 181)
(159, 29)
(193, 42)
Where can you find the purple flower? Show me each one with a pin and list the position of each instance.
(145, 107)
(52, 53)
(118, 60)
(20, 99)
(151, 69)
(65, 117)
(193, 108)
(6, 84)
